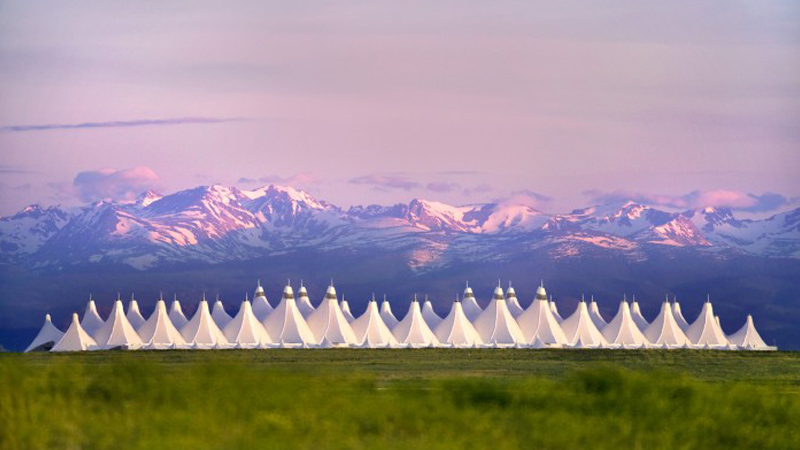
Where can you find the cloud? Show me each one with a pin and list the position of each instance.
(8, 169)
(297, 179)
(114, 184)
(735, 200)
(385, 182)
(123, 123)
(479, 189)
(526, 197)
(442, 186)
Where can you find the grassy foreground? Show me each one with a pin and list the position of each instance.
(401, 399)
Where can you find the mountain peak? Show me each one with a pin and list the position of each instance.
(147, 197)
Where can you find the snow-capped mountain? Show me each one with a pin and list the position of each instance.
(212, 224)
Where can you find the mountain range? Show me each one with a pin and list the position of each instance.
(220, 240)
(214, 224)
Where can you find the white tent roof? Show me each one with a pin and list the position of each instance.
(431, 318)
(117, 331)
(134, 316)
(538, 323)
(303, 302)
(328, 323)
(91, 321)
(413, 330)
(261, 306)
(220, 316)
(705, 331)
(244, 330)
(554, 310)
(370, 329)
(512, 302)
(748, 338)
(47, 337)
(678, 315)
(286, 326)
(456, 329)
(638, 318)
(202, 332)
(471, 307)
(496, 325)
(159, 332)
(580, 330)
(176, 315)
(664, 331)
(387, 315)
(597, 318)
(75, 339)
(344, 307)
(623, 331)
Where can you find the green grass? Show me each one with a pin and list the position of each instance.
(401, 399)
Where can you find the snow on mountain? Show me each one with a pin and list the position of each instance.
(217, 223)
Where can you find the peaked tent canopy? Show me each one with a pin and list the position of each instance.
(538, 323)
(345, 308)
(705, 331)
(134, 316)
(159, 332)
(117, 332)
(413, 330)
(638, 318)
(47, 337)
(261, 306)
(580, 330)
(286, 326)
(471, 307)
(328, 323)
(456, 330)
(678, 315)
(245, 330)
(554, 310)
(303, 302)
(387, 315)
(748, 338)
(597, 318)
(623, 331)
(512, 302)
(431, 318)
(202, 332)
(370, 329)
(220, 316)
(176, 314)
(75, 339)
(496, 325)
(664, 331)
(91, 321)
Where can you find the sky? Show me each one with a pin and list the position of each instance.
(560, 104)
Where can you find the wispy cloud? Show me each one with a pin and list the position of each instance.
(115, 184)
(736, 200)
(387, 181)
(298, 179)
(122, 124)
(7, 169)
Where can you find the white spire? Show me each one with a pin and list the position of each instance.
(581, 331)
(748, 338)
(387, 315)
(431, 318)
(512, 302)
(134, 316)
(538, 323)
(664, 331)
(345, 308)
(75, 339)
(456, 330)
(413, 330)
(286, 326)
(623, 331)
(496, 325)
(176, 315)
(261, 306)
(637, 316)
(220, 316)
(47, 337)
(554, 309)
(159, 332)
(676, 312)
(705, 331)
(471, 308)
(370, 329)
(328, 322)
(91, 319)
(303, 302)
(597, 318)
(244, 330)
(117, 332)
(202, 332)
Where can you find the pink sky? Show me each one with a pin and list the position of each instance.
(382, 102)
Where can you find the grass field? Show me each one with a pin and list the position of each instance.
(400, 399)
